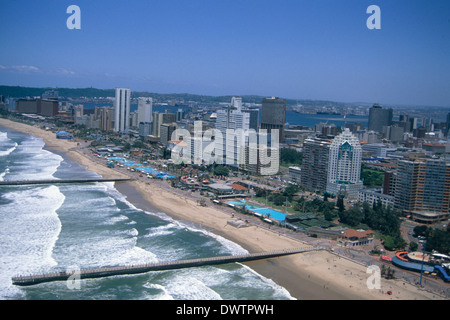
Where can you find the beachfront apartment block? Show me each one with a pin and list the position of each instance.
(332, 166)
(314, 169)
(233, 126)
(344, 166)
(422, 189)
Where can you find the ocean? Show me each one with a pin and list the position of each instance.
(310, 120)
(47, 228)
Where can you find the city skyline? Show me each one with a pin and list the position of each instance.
(291, 49)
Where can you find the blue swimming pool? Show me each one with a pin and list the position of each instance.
(274, 214)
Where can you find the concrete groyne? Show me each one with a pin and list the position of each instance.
(161, 266)
(58, 181)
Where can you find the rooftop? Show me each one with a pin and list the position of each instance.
(238, 187)
(352, 233)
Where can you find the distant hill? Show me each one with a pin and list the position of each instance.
(17, 92)
(76, 93)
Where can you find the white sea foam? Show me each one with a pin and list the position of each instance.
(229, 246)
(111, 190)
(30, 229)
(163, 230)
(4, 137)
(279, 291)
(7, 144)
(188, 285)
(3, 174)
(8, 151)
(100, 234)
(114, 219)
(36, 163)
(88, 240)
(164, 295)
(107, 250)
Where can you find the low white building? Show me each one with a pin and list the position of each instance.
(378, 150)
(372, 196)
(295, 175)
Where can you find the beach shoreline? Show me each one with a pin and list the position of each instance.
(313, 275)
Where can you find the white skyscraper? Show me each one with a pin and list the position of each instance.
(231, 147)
(122, 109)
(344, 165)
(145, 110)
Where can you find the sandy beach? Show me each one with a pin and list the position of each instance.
(315, 275)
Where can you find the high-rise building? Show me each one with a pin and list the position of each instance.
(122, 109)
(180, 115)
(447, 128)
(273, 115)
(233, 125)
(393, 133)
(344, 166)
(379, 117)
(389, 182)
(159, 119)
(106, 119)
(254, 118)
(145, 112)
(259, 157)
(314, 168)
(145, 116)
(236, 102)
(422, 189)
(166, 130)
(145, 129)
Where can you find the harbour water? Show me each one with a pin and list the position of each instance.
(46, 228)
(310, 120)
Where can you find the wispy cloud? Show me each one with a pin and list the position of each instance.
(20, 69)
(28, 69)
(64, 71)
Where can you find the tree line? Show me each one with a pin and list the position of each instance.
(377, 217)
(436, 239)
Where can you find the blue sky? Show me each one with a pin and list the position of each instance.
(314, 49)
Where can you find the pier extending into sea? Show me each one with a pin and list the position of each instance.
(60, 181)
(160, 266)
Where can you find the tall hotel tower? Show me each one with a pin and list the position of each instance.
(344, 166)
(273, 115)
(122, 109)
(316, 154)
(145, 116)
(145, 110)
(422, 189)
(229, 149)
(379, 117)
